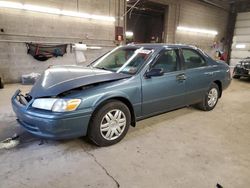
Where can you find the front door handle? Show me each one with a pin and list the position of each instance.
(209, 73)
(181, 77)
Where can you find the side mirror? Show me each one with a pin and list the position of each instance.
(154, 72)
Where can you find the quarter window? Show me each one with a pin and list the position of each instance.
(193, 59)
(168, 61)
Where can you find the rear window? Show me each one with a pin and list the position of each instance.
(193, 59)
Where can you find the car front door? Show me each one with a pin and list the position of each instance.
(165, 92)
(198, 75)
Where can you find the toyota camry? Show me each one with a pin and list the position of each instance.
(127, 84)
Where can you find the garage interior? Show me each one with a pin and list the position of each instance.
(182, 148)
(146, 21)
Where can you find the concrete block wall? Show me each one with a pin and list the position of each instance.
(200, 15)
(15, 61)
(20, 26)
(195, 14)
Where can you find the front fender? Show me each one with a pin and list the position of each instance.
(120, 96)
(108, 96)
(128, 91)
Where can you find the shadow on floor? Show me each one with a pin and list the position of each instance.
(243, 79)
(11, 128)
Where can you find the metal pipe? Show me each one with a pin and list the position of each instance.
(119, 9)
(130, 8)
(125, 22)
(40, 42)
(77, 4)
(56, 37)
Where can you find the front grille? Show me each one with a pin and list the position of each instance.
(23, 99)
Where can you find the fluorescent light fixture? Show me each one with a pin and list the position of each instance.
(129, 34)
(6, 4)
(197, 30)
(41, 9)
(15, 5)
(241, 46)
(71, 13)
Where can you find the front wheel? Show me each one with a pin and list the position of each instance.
(110, 123)
(211, 98)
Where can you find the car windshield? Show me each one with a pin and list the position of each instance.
(123, 60)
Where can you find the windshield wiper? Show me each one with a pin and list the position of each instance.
(90, 65)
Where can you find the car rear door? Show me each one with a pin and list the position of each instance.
(198, 75)
(164, 92)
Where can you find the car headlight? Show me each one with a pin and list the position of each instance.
(56, 105)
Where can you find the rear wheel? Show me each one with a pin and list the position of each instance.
(110, 123)
(210, 99)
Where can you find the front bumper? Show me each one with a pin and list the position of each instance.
(52, 125)
(240, 71)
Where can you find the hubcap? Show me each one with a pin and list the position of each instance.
(212, 97)
(113, 124)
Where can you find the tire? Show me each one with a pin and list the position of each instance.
(107, 118)
(208, 104)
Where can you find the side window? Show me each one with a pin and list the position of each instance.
(193, 59)
(167, 60)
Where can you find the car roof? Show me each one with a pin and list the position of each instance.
(160, 45)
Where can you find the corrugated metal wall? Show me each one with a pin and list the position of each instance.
(241, 39)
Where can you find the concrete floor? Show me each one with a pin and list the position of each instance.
(183, 148)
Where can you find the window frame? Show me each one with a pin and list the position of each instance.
(195, 51)
(179, 61)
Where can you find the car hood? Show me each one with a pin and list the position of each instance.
(57, 80)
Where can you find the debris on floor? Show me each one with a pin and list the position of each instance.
(42, 141)
(9, 143)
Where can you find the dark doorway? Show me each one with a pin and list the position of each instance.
(145, 22)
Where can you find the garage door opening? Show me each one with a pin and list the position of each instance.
(145, 22)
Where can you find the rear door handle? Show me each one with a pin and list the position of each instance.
(181, 77)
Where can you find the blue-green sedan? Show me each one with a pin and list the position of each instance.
(123, 86)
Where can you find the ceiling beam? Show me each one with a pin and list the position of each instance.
(219, 4)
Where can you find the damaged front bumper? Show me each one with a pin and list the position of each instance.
(48, 124)
(241, 71)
